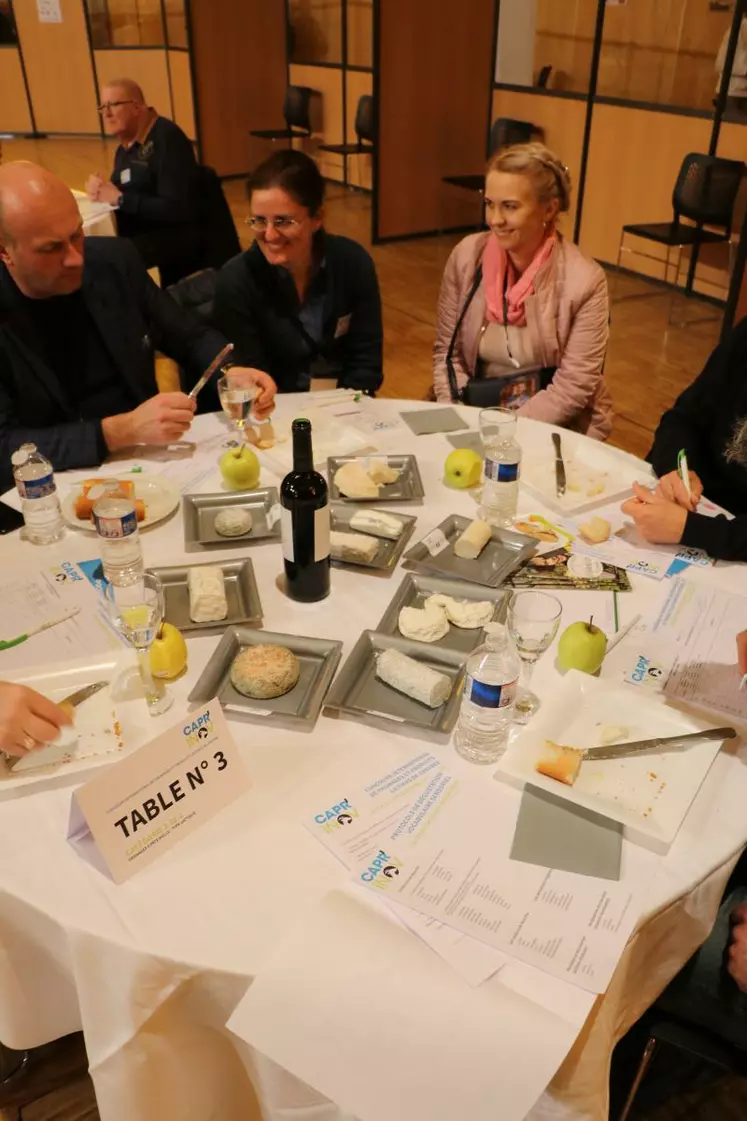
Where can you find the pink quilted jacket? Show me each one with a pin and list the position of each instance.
(568, 317)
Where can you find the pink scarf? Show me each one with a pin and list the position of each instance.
(495, 263)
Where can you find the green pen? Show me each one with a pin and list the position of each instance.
(684, 471)
(9, 643)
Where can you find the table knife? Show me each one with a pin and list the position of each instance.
(217, 362)
(656, 745)
(559, 466)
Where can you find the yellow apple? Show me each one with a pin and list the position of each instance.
(462, 468)
(168, 654)
(240, 468)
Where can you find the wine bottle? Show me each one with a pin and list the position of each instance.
(304, 522)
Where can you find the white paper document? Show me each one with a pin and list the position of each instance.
(689, 651)
(397, 804)
(458, 871)
(626, 549)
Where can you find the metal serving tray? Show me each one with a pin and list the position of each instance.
(504, 553)
(242, 594)
(415, 590)
(359, 692)
(407, 488)
(200, 510)
(319, 658)
(389, 550)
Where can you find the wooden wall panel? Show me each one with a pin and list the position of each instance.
(440, 70)
(240, 78)
(58, 67)
(360, 32)
(14, 106)
(147, 68)
(326, 115)
(562, 121)
(181, 92)
(359, 167)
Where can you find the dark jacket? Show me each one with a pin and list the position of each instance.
(256, 310)
(134, 319)
(702, 421)
(161, 176)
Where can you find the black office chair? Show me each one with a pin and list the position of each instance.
(543, 77)
(705, 194)
(505, 132)
(365, 131)
(297, 114)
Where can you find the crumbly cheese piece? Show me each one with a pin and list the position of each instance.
(233, 522)
(352, 481)
(207, 594)
(352, 547)
(613, 733)
(471, 543)
(599, 486)
(426, 624)
(412, 678)
(559, 762)
(265, 671)
(464, 613)
(382, 473)
(595, 531)
(378, 523)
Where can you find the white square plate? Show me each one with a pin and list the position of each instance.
(650, 794)
(588, 465)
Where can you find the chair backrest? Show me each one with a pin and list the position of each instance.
(706, 189)
(506, 131)
(297, 108)
(364, 119)
(544, 77)
(219, 239)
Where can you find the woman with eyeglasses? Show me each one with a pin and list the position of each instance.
(301, 304)
(523, 314)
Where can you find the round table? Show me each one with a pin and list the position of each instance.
(153, 970)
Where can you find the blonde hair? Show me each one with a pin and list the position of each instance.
(547, 172)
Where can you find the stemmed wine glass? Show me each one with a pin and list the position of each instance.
(136, 610)
(533, 621)
(236, 397)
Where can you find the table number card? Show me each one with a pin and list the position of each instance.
(142, 806)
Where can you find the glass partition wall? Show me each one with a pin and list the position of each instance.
(137, 23)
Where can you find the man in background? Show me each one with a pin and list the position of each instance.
(154, 184)
(79, 327)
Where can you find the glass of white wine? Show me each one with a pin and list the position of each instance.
(136, 610)
(236, 398)
(533, 621)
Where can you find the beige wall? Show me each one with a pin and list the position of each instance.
(58, 65)
(14, 108)
(181, 92)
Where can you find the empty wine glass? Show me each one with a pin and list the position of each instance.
(533, 620)
(136, 610)
(236, 397)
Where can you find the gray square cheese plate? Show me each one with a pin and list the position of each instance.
(318, 657)
(407, 488)
(506, 551)
(242, 595)
(390, 549)
(200, 511)
(415, 590)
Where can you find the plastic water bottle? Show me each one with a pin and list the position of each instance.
(39, 502)
(501, 466)
(490, 686)
(119, 539)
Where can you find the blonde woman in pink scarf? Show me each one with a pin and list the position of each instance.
(533, 308)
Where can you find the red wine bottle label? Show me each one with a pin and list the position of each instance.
(321, 534)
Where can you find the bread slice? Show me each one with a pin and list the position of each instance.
(559, 762)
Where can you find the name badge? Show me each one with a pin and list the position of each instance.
(125, 176)
(343, 326)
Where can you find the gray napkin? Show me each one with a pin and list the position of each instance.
(469, 440)
(424, 422)
(556, 834)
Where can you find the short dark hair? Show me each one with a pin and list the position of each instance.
(294, 172)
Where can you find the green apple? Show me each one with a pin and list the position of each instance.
(240, 468)
(168, 654)
(463, 468)
(582, 646)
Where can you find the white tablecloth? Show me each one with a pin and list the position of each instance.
(153, 970)
(98, 217)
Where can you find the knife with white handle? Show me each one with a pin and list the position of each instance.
(657, 745)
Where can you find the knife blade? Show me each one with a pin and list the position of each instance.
(560, 480)
(656, 745)
(83, 694)
(214, 365)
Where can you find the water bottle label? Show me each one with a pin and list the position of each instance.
(113, 529)
(490, 696)
(36, 488)
(501, 472)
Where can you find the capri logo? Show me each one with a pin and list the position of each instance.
(337, 817)
(199, 730)
(382, 871)
(645, 672)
